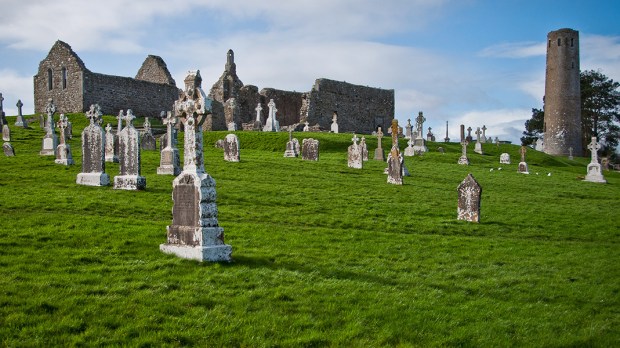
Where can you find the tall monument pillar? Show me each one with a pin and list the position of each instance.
(562, 93)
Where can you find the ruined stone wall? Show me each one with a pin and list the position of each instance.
(360, 109)
(562, 106)
(114, 93)
(154, 69)
(66, 80)
(288, 104)
(248, 100)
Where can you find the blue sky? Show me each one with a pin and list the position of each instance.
(466, 61)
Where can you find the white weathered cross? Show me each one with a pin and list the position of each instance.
(355, 139)
(523, 151)
(129, 117)
(478, 133)
(379, 136)
(147, 125)
(420, 123)
(93, 113)
(63, 122)
(594, 146)
(108, 128)
(258, 109)
(169, 121)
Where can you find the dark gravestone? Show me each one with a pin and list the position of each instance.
(469, 192)
(310, 149)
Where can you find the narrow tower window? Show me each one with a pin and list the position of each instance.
(49, 80)
(571, 42)
(64, 78)
(559, 42)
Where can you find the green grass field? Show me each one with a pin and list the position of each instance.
(323, 255)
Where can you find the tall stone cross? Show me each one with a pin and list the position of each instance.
(50, 109)
(523, 151)
(272, 111)
(290, 134)
(94, 113)
(379, 136)
(119, 126)
(355, 139)
(147, 125)
(478, 133)
(258, 109)
(63, 122)
(469, 129)
(128, 117)
(462, 132)
(1, 100)
(484, 133)
(19, 107)
(394, 132)
(420, 123)
(594, 146)
(169, 121)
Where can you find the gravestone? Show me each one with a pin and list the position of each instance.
(93, 152)
(483, 139)
(306, 126)
(504, 158)
(441, 150)
(231, 148)
(20, 121)
(379, 154)
(364, 148)
(334, 126)
(409, 151)
(605, 163)
(429, 135)
(297, 146)
(129, 177)
(354, 157)
(148, 141)
(291, 150)
(50, 140)
(63, 151)
(6, 132)
(110, 156)
(497, 141)
(9, 151)
(258, 125)
(469, 137)
(478, 145)
(69, 130)
(42, 121)
(523, 165)
(594, 168)
(395, 160)
(2, 114)
(570, 153)
(272, 124)
(194, 232)
(419, 146)
(447, 138)
(170, 161)
(310, 149)
(469, 193)
(232, 126)
(408, 129)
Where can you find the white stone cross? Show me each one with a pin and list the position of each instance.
(354, 139)
(63, 122)
(93, 114)
(169, 121)
(108, 128)
(147, 125)
(120, 122)
(594, 146)
(478, 133)
(379, 136)
(129, 117)
(258, 109)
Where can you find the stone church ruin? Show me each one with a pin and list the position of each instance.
(63, 77)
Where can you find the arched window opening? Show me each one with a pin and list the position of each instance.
(571, 42)
(50, 84)
(64, 78)
(559, 42)
(549, 43)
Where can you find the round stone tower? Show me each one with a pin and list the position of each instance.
(562, 103)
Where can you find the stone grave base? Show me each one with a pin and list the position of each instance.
(213, 253)
(523, 168)
(478, 148)
(93, 179)
(594, 174)
(379, 155)
(47, 152)
(464, 160)
(64, 161)
(129, 182)
(420, 149)
(168, 169)
(409, 152)
(112, 159)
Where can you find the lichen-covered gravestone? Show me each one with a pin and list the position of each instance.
(504, 158)
(63, 151)
(148, 140)
(50, 140)
(594, 168)
(409, 151)
(291, 149)
(463, 160)
(379, 154)
(110, 140)
(129, 177)
(395, 160)
(523, 165)
(354, 158)
(194, 232)
(6, 132)
(310, 149)
(478, 145)
(9, 151)
(419, 145)
(258, 124)
(469, 193)
(93, 152)
(170, 162)
(231, 148)
(364, 149)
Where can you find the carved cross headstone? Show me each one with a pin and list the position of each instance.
(429, 135)
(272, 124)
(469, 194)
(148, 141)
(93, 151)
(231, 148)
(484, 134)
(478, 145)
(129, 177)
(409, 150)
(170, 162)
(463, 159)
(63, 150)
(408, 129)
(379, 155)
(291, 150)
(110, 141)
(50, 140)
(20, 121)
(334, 126)
(570, 153)
(420, 124)
(395, 161)
(354, 158)
(306, 126)
(595, 174)
(523, 169)
(469, 137)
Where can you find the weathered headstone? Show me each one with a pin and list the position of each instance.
(148, 141)
(464, 160)
(9, 151)
(354, 154)
(469, 193)
(6, 132)
(63, 150)
(20, 121)
(110, 156)
(231, 148)
(605, 163)
(504, 158)
(419, 146)
(379, 154)
(469, 137)
(194, 232)
(408, 130)
(290, 151)
(395, 160)
(334, 126)
(306, 126)
(231, 126)
(441, 150)
(272, 124)
(570, 153)
(594, 168)
(523, 165)
(478, 145)
(129, 177)
(50, 140)
(258, 124)
(93, 152)
(364, 148)
(429, 135)
(310, 149)
(409, 150)
(297, 146)
(497, 141)
(483, 139)
(170, 161)
(69, 130)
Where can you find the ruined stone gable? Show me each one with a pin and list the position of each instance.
(63, 77)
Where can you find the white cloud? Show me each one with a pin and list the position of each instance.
(515, 50)
(507, 124)
(14, 87)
